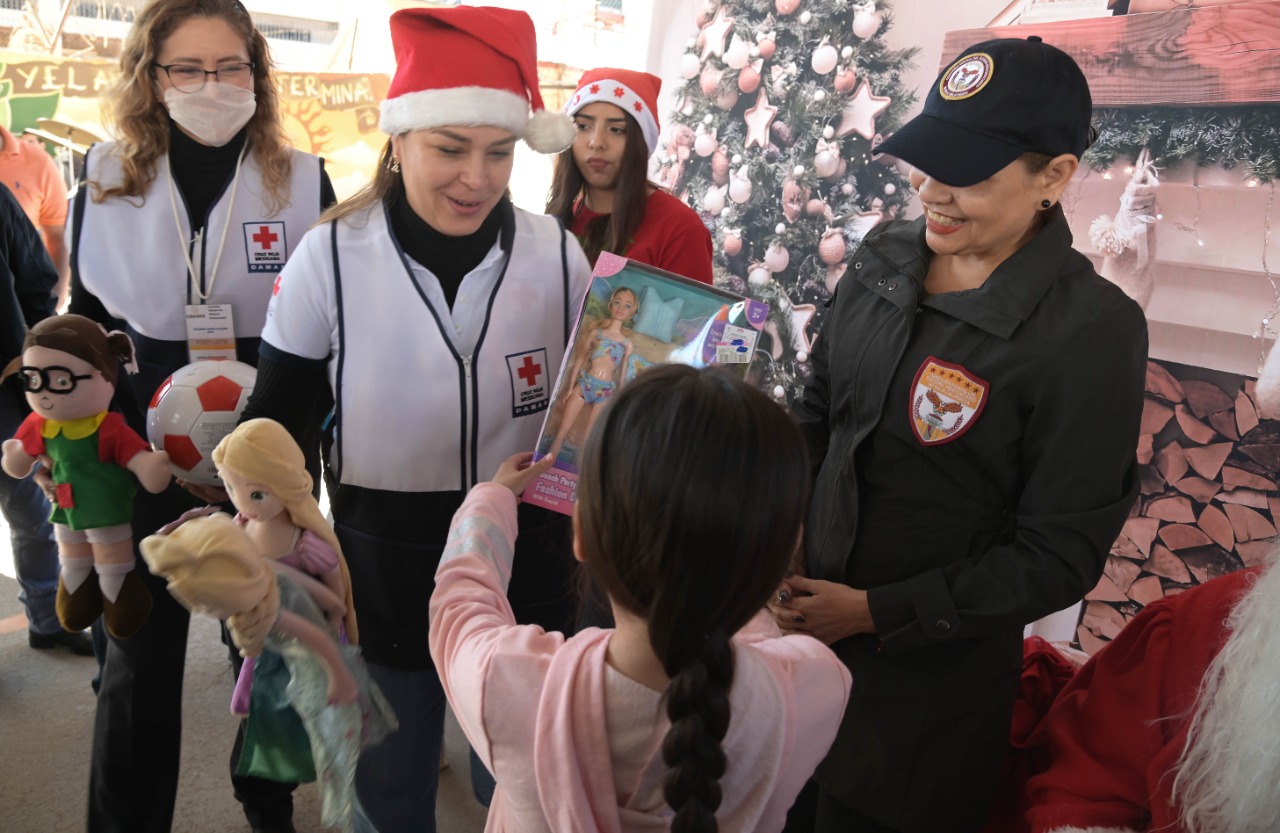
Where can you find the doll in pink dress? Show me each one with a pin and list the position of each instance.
(213, 567)
(265, 475)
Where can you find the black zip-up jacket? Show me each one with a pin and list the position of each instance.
(964, 515)
(28, 279)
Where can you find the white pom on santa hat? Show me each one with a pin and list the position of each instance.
(470, 66)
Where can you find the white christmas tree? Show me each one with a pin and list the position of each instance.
(777, 118)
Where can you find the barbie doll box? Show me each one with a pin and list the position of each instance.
(633, 317)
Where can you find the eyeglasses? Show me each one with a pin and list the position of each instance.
(53, 379)
(187, 78)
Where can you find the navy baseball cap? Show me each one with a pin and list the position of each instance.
(1000, 99)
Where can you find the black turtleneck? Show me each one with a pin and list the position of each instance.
(201, 172)
(449, 258)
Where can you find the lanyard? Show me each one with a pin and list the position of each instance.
(226, 225)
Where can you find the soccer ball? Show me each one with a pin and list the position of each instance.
(193, 410)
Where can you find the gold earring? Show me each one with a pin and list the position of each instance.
(395, 165)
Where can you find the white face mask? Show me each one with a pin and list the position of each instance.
(215, 114)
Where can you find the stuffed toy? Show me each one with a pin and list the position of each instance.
(214, 567)
(264, 473)
(68, 369)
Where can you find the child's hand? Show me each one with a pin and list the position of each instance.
(518, 470)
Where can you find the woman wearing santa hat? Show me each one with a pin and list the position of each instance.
(601, 190)
(438, 314)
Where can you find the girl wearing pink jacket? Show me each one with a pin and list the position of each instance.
(693, 713)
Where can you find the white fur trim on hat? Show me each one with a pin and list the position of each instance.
(462, 106)
(644, 116)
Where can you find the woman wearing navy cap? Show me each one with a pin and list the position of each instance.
(974, 412)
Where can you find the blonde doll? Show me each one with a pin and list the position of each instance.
(599, 368)
(213, 567)
(265, 475)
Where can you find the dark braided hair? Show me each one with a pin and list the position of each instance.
(691, 495)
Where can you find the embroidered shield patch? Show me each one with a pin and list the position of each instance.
(946, 400)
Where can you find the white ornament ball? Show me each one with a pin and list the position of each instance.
(802, 356)
(727, 214)
(690, 66)
(705, 144)
(780, 228)
(805, 17)
(828, 132)
(759, 276)
(707, 119)
(738, 53)
(847, 189)
(779, 392)
(824, 59)
(847, 52)
(713, 201)
(737, 159)
(826, 164)
(819, 95)
(890, 190)
(739, 189)
(866, 24)
(755, 52)
(691, 43)
(798, 170)
(776, 257)
(727, 99)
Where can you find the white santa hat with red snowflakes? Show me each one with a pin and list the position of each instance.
(470, 66)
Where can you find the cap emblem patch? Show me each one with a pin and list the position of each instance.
(966, 77)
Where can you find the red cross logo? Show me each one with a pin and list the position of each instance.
(265, 237)
(275, 287)
(618, 92)
(529, 371)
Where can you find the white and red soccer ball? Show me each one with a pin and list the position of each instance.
(193, 410)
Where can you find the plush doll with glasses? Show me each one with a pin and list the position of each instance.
(68, 369)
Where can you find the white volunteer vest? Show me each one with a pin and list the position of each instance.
(130, 256)
(414, 415)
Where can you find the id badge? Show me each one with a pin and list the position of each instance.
(211, 332)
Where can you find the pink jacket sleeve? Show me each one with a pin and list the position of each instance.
(471, 619)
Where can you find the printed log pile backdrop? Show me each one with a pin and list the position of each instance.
(1208, 496)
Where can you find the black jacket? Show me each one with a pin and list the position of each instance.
(962, 523)
(27, 291)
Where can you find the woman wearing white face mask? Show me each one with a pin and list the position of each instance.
(198, 203)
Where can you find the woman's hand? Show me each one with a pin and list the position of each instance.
(209, 494)
(827, 610)
(519, 470)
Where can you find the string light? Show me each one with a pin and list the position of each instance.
(1266, 330)
(1193, 229)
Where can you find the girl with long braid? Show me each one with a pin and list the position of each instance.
(693, 713)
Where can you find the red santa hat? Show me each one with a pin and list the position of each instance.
(635, 92)
(470, 66)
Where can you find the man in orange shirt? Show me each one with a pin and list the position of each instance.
(34, 178)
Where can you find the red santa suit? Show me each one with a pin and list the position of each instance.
(1116, 731)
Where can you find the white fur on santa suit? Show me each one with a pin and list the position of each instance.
(1269, 385)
